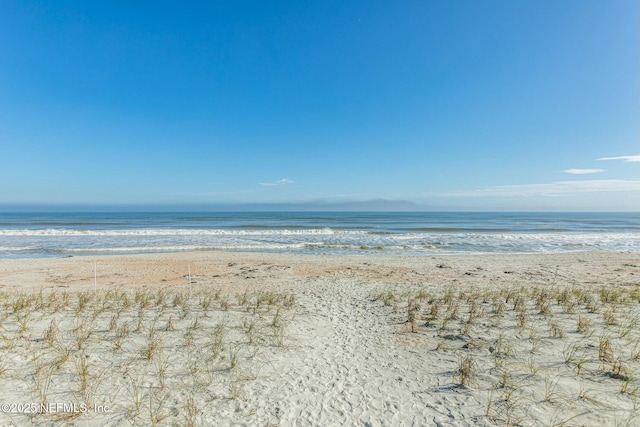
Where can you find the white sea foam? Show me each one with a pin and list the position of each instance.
(519, 236)
(17, 248)
(324, 231)
(175, 248)
(171, 232)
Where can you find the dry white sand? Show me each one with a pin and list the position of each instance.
(365, 340)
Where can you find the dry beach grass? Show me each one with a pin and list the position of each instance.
(543, 355)
(259, 339)
(145, 357)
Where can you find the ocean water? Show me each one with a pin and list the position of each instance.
(71, 234)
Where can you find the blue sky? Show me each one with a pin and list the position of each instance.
(492, 105)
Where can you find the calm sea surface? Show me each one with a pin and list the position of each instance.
(63, 234)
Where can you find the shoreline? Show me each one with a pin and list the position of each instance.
(259, 339)
(235, 268)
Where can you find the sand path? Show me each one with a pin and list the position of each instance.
(350, 366)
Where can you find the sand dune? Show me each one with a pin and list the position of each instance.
(318, 340)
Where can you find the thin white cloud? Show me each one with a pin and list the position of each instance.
(559, 188)
(283, 181)
(623, 158)
(583, 171)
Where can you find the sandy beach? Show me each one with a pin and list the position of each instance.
(258, 339)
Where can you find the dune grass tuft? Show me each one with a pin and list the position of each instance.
(159, 344)
(506, 340)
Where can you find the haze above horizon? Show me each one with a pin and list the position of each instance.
(465, 105)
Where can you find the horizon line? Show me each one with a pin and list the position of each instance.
(260, 207)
